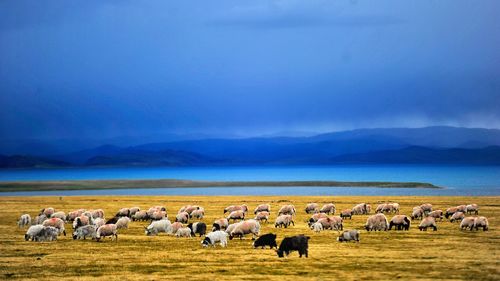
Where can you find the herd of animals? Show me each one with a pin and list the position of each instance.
(49, 223)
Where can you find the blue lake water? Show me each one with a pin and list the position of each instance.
(457, 180)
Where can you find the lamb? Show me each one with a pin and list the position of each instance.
(183, 232)
(467, 222)
(361, 209)
(400, 222)
(61, 215)
(57, 223)
(48, 233)
(266, 240)
(123, 212)
(197, 214)
(328, 209)
(298, 243)
(349, 235)
(377, 222)
(347, 213)
(182, 217)
(262, 208)
(458, 216)
(312, 208)
(81, 221)
(122, 223)
(236, 215)
(245, 227)
(214, 237)
(437, 214)
(426, 223)
(220, 224)
(472, 208)
(230, 209)
(32, 232)
(24, 220)
(197, 228)
(158, 226)
(85, 231)
(140, 216)
(427, 208)
(262, 216)
(284, 221)
(417, 213)
(287, 210)
(317, 227)
(481, 222)
(333, 223)
(47, 212)
(107, 230)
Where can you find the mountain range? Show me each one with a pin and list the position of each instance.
(429, 145)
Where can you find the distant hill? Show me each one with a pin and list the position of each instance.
(23, 161)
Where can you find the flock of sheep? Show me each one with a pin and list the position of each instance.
(49, 224)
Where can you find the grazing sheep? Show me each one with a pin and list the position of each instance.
(133, 211)
(197, 228)
(400, 222)
(284, 221)
(32, 232)
(156, 209)
(388, 208)
(361, 209)
(182, 217)
(107, 230)
(436, 214)
(450, 211)
(428, 222)
(472, 208)
(312, 208)
(176, 226)
(183, 232)
(24, 220)
(85, 231)
(48, 233)
(287, 210)
(74, 214)
(315, 217)
(467, 222)
(333, 223)
(122, 223)
(426, 207)
(266, 240)
(417, 213)
(458, 216)
(140, 216)
(214, 237)
(230, 209)
(328, 209)
(99, 213)
(220, 224)
(262, 216)
(47, 212)
(81, 221)
(159, 215)
(39, 219)
(246, 227)
(98, 222)
(57, 223)
(298, 243)
(158, 226)
(61, 215)
(189, 209)
(377, 222)
(347, 213)
(481, 222)
(236, 215)
(262, 208)
(462, 208)
(197, 214)
(123, 212)
(317, 227)
(349, 235)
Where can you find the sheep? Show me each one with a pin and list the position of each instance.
(158, 226)
(481, 222)
(107, 230)
(349, 235)
(156, 209)
(314, 218)
(361, 209)
(230, 209)
(262, 208)
(84, 231)
(312, 208)
(61, 215)
(197, 228)
(123, 212)
(133, 211)
(436, 214)
(298, 243)
(266, 240)
(236, 215)
(220, 224)
(214, 237)
(427, 222)
(458, 216)
(197, 214)
(417, 213)
(231, 227)
(81, 221)
(262, 216)
(450, 211)
(183, 232)
(140, 216)
(48, 233)
(400, 222)
(122, 223)
(113, 220)
(182, 217)
(99, 213)
(47, 212)
(333, 223)
(317, 227)
(467, 222)
(388, 208)
(189, 209)
(426, 207)
(284, 221)
(39, 219)
(328, 209)
(158, 215)
(246, 227)
(74, 214)
(287, 210)
(176, 226)
(377, 222)
(32, 232)
(57, 223)
(462, 208)
(24, 220)
(347, 213)
(98, 222)
(472, 208)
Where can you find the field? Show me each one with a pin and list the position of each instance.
(447, 254)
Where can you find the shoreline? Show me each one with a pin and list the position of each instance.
(14, 186)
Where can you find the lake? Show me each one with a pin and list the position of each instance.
(457, 180)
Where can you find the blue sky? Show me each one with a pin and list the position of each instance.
(114, 68)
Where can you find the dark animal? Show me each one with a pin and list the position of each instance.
(266, 240)
(198, 228)
(298, 243)
(113, 220)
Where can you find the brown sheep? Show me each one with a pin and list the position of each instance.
(450, 211)
(361, 209)
(377, 222)
(458, 216)
(182, 217)
(230, 209)
(436, 214)
(287, 210)
(236, 215)
(427, 208)
(333, 223)
(197, 214)
(328, 209)
(400, 222)
(472, 208)
(427, 222)
(262, 208)
(262, 216)
(284, 221)
(107, 230)
(312, 208)
(481, 222)
(417, 213)
(220, 224)
(123, 212)
(467, 222)
(347, 213)
(245, 227)
(47, 212)
(315, 217)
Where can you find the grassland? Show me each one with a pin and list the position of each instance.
(447, 254)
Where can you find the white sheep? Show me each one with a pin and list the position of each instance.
(158, 226)
(214, 237)
(183, 232)
(122, 223)
(32, 232)
(24, 220)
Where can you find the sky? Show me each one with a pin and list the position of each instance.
(80, 69)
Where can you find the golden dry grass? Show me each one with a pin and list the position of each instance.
(448, 254)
